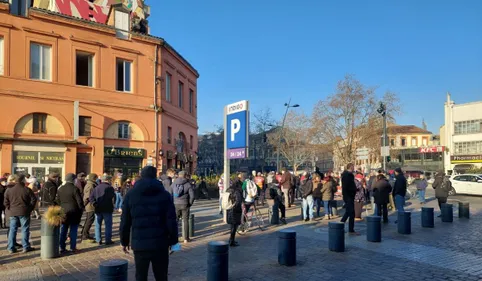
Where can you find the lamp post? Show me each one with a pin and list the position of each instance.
(383, 111)
(288, 106)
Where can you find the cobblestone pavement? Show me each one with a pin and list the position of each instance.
(450, 251)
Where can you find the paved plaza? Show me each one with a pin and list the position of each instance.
(450, 251)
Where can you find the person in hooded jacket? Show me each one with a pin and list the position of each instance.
(183, 193)
(69, 198)
(381, 193)
(89, 208)
(349, 189)
(80, 182)
(167, 179)
(148, 225)
(49, 190)
(317, 193)
(103, 199)
(327, 196)
(399, 190)
(235, 213)
(442, 187)
(307, 195)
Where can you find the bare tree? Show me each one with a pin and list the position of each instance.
(296, 142)
(262, 121)
(349, 118)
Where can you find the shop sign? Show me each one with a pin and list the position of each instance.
(432, 149)
(51, 158)
(121, 152)
(25, 157)
(466, 159)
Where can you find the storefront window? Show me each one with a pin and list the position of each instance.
(36, 163)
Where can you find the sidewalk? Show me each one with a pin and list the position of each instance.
(447, 252)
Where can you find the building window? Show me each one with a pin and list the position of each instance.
(470, 147)
(403, 141)
(191, 97)
(169, 135)
(40, 62)
(180, 93)
(123, 130)
(85, 126)
(1, 56)
(124, 75)
(392, 142)
(84, 69)
(39, 123)
(191, 140)
(468, 127)
(424, 141)
(19, 7)
(414, 141)
(122, 24)
(168, 87)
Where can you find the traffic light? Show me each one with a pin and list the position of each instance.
(389, 158)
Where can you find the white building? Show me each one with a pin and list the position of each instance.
(462, 135)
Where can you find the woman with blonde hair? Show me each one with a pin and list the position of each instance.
(317, 193)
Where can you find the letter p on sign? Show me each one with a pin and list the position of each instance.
(235, 127)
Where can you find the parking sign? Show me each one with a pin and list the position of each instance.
(237, 129)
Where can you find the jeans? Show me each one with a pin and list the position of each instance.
(12, 235)
(89, 220)
(326, 206)
(400, 203)
(421, 195)
(64, 229)
(349, 214)
(107, 218)
(118, 201)
(159, 260)
(308, 203)
(318, 203)
(183, 212)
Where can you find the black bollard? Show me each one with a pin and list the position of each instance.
(218, 261)
(464, 210)
(274, 219)
(113, 270)
(336, 236)
(287, 247)
(191, 226)
(374, 229)
(447, 213)
(427, 217)
(404, 222)
(49, 240)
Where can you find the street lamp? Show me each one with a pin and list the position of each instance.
(382, 109)
(288, 106)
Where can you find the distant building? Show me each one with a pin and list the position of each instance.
(462, 135)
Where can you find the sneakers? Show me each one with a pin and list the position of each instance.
(187, 241)
(109, 243)
(26, 250)
(283, 221)
(233, 244)
(11, 252)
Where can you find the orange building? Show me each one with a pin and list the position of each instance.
(80, 96)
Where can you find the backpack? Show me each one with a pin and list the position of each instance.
(446, 184)
(251, 189)
(178, 190)
(272, 193)
(334, 187)
(226, 204)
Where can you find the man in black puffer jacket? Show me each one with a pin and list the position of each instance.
(149, 210)
(49, 190)
(348, 188)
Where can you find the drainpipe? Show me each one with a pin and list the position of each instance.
(156, 110)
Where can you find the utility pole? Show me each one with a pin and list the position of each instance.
(385, 150)
(288, 105)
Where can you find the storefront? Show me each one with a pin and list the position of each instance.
(37, 163)
(464, 163)
(126, 160)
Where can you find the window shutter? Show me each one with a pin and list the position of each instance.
(35, 128)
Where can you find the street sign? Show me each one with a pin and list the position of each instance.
(237, 130)
(362, 152)
(362, 157)
(432, 149)
(385, 151)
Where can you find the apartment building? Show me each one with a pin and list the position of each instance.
(83, 92)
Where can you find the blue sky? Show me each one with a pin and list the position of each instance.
(267, 51)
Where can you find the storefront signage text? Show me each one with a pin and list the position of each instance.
(466, 159)
(51, 158)
(32, 157)
(432, 149)
(124, 152)
(25, 157)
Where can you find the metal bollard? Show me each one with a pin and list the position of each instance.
(191, 226)
(374, 229)
(404, 222)
(336, 236)
(447, 213)
(274, 219)
(218, 261)
(427, 217)
(464, 210)
(287, 247)
(113, 270)
(49, 241)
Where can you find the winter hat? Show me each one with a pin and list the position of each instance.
(398, 170)
(359, 177)
(92, 177)
(149, 172)
(70, 178)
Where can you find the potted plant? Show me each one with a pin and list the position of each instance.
(50, 232)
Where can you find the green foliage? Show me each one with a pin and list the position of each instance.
(477, 171)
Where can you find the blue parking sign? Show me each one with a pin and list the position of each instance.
(237, 130)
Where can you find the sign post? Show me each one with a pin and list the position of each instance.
(236, 137)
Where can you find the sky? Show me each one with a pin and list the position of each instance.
(268, 51)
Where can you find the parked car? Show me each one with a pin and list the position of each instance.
(466, 184)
